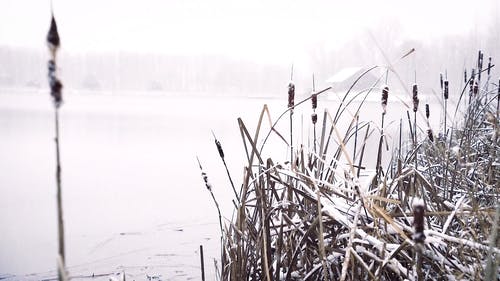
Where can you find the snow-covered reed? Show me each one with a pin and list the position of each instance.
(428, 215)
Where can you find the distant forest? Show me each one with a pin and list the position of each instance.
(224, 75)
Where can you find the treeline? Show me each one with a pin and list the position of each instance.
(225, 75)
(216, 74)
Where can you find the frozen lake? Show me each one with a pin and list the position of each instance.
(133, 196)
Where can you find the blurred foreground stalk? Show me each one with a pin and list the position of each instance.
(55, 84)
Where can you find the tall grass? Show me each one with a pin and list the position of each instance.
(429, 216)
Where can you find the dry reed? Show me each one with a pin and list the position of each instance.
(343, 225)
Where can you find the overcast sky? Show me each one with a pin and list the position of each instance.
(269, 30)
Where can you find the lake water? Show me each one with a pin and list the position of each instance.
(133, 196)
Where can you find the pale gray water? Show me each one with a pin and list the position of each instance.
(133, 196)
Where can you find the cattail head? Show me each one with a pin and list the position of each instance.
(385, 96)
(55, 84)
(427, 111)
(480, 60)
(314, 101)
(430, 135)
(475, 89)
(204, 176)
(479, 65)
(53, 40)
(205, 179)
(446, 90)
(418, 220)
(415, 98)
(56, 92)
(314, 118)
(441, 80)
(219, 148)
(291, 94)
(465, 75)
(489, 66)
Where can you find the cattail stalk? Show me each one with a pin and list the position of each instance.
(355, 138)
(479, 65)
(498, 101)
(209, 188)
(291, 103)
(416, 101)
(314, 116)
(415, 109)
(53, 43)
(446, 95)
(221, 154)
(202, 263)
(385, 97)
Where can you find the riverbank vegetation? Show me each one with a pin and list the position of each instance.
(431, 213)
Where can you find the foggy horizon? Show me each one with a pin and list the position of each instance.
(163, 39)
(277, 32)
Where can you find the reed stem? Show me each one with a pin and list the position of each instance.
(202, 263)
(60, 222)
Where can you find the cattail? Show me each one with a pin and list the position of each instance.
(430, 135)
(415, 98)
(479, 60)
(53, 43)
(446, 90)
(291, 94)
(385, 96)
(219, 148)
(441, 80)
(465, 75)
(53, 40)
(418, 220)
(204, 176)
(479, 64)
(205, 179)
(55, 84)
(427, 111)
(489, 66)
(314, 101)
(221, 154)
(476, 88)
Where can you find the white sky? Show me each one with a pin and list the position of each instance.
(270, 30)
